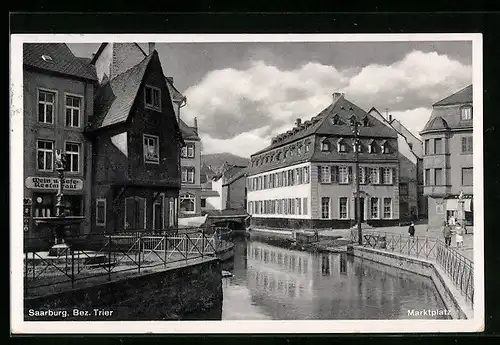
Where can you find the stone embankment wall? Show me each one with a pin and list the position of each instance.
(453, 300)
(170, 294)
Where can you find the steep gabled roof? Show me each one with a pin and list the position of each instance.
(236, 176)
(103, 45)
(115, 98)
(462, 96)
(188, 133)
(61, 60)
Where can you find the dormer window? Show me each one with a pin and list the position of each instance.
(358, 148)
(366, 122)
(386, 148)
(306, 149)
(372, 147)
(299, 149)
(152, 97)
(336, 119)
(46, 58)
(278, 156)
(341, 145)
(466, 113)
(325, 145)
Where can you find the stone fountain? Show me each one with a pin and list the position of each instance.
(59, 223)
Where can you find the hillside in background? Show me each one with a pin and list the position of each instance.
(215, 160)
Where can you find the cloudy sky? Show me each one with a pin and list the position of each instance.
(243, 94)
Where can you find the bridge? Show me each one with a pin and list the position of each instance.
(234, 219)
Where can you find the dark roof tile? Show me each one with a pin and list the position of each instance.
(459, 97)
(61, 60)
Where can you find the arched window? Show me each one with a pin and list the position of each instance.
(187, 203)
(366, 121)
(325, 144)
(372, 146)
(341, 145)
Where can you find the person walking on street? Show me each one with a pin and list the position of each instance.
(447, 234)
(411, 231)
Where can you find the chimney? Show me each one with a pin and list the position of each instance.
(298, 122)
(196, 125)
(170, 80)
(390, 118)
(151, 47)
(337, 96)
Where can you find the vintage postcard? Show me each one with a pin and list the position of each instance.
(246, 183)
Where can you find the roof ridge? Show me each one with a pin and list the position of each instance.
(453, 94)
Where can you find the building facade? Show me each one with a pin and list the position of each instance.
(136, 143)
(412, 203)
(448, 157)
(58, 98)
(229, 189)
(190, 195)
(306, 177)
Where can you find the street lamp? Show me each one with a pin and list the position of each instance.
(355, 130)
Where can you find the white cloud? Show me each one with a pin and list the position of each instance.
(239, 110)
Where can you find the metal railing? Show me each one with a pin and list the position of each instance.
(458, 268)
(113, 255)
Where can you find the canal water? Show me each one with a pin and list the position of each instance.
(270, 282)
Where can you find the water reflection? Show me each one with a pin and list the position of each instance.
(275, 283)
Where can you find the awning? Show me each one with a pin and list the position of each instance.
(451, 204)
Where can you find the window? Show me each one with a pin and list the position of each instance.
(466, 113)
(151, 149)
(343, 208)
(403, 189)
(73, 106)
(386, 149)
(387, 178)
(325, 145)
(466, 144)
(306, 149)
(298, 208)
(387, 207)
(326, 177)
(343, 175)
(306, 174)
(100, 212)
(203, 202)
(438, 146)
(188, 150)
(426, 147)
(467, 174)
(362, 175)
(427, 181)
(372, 147)
(341, 146)
(374, 176)
(374, 208)
(46, 100)
(45, 151)
(187, 174)
(72, 157)
(325, 207)
(152, 97)
(438, 177)
(304, 205)
(187, 202)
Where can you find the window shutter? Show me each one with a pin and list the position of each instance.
(334, 174)
(381, 176)
(366, 175)
(393, 175)
(319, 174)
(349, 174)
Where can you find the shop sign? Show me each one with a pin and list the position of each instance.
(53, 183)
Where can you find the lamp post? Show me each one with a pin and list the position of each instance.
(355, 130)
(60, 164)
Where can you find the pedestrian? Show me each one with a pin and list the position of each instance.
(411, 231)
(459, 235)
(447, 234)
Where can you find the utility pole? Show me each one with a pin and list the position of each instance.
(355, 130)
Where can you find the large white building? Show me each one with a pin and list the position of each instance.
(305, 178)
